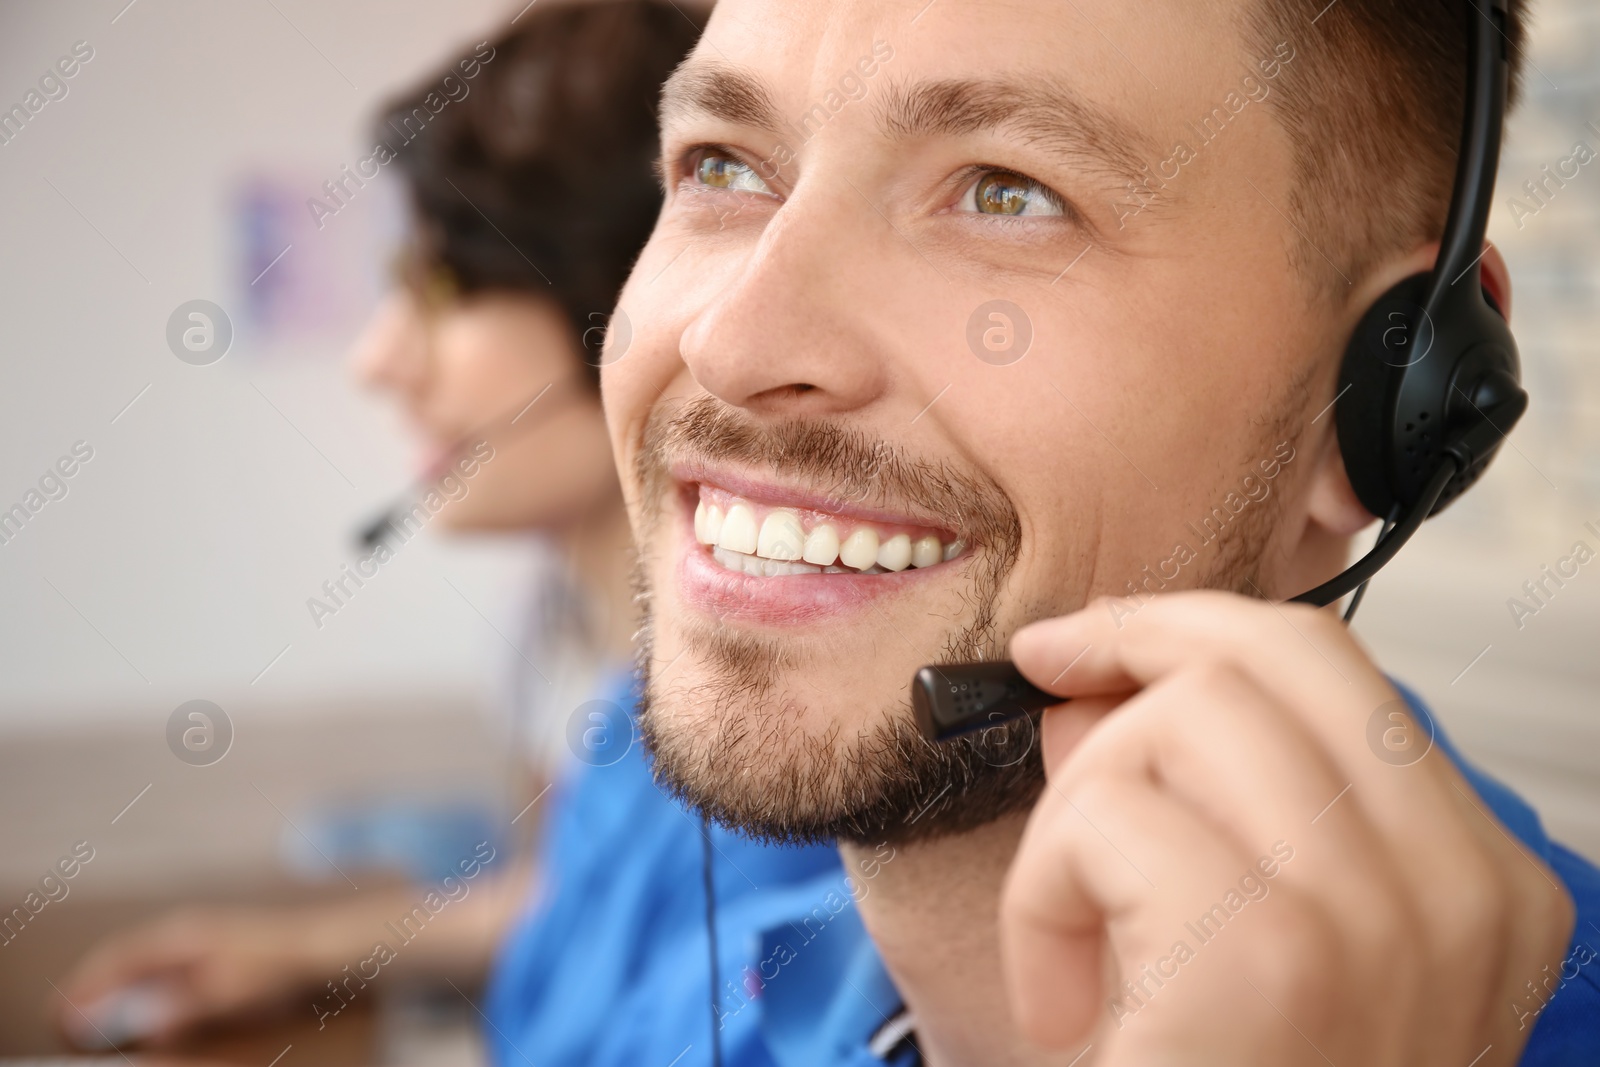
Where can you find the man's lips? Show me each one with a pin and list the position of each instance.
(765, 553)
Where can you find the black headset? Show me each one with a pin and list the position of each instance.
(1429, 387)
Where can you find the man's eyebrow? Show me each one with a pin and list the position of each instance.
(720, 91)
(1051, 116)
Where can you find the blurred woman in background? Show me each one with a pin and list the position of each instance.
(530, 198)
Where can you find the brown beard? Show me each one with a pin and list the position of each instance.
(732, 746)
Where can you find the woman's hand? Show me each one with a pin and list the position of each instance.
(193, 966)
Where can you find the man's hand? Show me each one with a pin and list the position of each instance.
(1227, 871)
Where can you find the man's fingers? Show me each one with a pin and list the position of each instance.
(1219, 745)
(1063, 727)
(1310, 670)
(1093, 652)
(1113, 856)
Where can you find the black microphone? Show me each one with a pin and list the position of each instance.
(377, 529)
(959, 698)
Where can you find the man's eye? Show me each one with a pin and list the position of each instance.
(719, 170)
(999, 192)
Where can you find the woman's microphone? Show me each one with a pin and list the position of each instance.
(381, 527)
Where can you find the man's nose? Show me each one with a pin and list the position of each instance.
(795, 330)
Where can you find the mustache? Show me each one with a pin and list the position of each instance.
(845, 464)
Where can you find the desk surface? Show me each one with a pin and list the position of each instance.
(47, 948)
(213, 835)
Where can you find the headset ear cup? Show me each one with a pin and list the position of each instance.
(1411, 384)
(1484, 386)
(1384, 344)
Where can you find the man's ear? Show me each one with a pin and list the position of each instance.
(1497, 279)
(1332, 502)
(1496, 276)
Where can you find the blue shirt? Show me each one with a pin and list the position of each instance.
(609, 967)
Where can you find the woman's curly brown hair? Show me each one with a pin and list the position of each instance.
(541, 180)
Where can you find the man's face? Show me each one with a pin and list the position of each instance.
(912, 365)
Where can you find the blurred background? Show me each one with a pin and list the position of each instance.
(217, 499)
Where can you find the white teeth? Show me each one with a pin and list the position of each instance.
(738, 531)
(756, 567)
(781, 536)
(782, 546)
(822, 545)
(708, 528)
(777, 568)
(860, 549)
(895, 553)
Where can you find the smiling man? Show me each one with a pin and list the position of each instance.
(959, 319)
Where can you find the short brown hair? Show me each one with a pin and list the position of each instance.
(1372, 105)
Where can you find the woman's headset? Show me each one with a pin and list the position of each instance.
(1429, 387)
